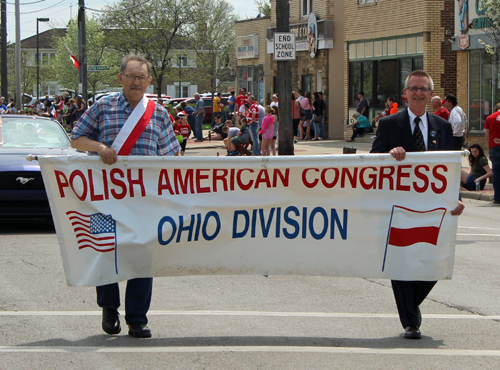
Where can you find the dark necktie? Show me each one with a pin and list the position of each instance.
(418, 138)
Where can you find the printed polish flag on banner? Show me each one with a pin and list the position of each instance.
(96, 231)
(408, 227)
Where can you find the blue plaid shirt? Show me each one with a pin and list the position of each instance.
(106, 117)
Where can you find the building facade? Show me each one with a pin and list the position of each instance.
(386, 39)
(478, 80)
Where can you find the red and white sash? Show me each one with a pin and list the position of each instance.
(134, 126)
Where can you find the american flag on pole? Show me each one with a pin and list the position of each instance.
(408, 227)
(96, 231)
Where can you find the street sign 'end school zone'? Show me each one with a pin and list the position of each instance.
(284, 46)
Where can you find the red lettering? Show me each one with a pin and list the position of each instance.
(439, 177)
(218, 177)
(387, 176)
(84, 184)
(371, 176)
(238, 179)
(421, 176)
(132, 182)
(188, 180)
(118, 182)
(263, 176)
(61, 184)
(164, 183)
(231, 185)
(284, 177)
(105, 184)
(199, 177)
(401, 175)
(304, 178)
(93, 196)
(327, 184)
(352, 177)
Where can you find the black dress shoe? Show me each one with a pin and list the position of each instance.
(110, 321)
(139, 330)
(412, 332)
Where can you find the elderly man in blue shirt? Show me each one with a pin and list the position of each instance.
(95, 132)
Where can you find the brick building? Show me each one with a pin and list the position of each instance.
(386, 40)
(368, 45)
(478, 82)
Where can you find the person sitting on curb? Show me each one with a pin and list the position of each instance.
(479, 171)
(230, 132)
(215, 132)
(242, 138)
(360, 125)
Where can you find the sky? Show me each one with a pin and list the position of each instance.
(61, 11)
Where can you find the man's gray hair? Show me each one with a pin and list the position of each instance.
(135, 58)
(420, 73)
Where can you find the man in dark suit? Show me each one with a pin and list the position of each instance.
(413, 130)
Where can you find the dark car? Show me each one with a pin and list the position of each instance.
(207, 101)
(22, 192)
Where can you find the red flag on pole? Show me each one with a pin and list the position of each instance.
(74, 59)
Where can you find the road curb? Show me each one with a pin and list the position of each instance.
(477, 196)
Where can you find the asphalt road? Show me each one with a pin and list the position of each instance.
(251, 322)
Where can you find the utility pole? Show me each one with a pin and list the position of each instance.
(284, 84)
(19, 101)
(4, 91)
(82, 48)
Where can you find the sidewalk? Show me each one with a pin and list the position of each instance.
(329, 147)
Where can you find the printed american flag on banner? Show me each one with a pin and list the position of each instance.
(96, 231)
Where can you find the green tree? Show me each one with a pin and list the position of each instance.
(264, 7)
(150, 28)
(212, 38)
(491, 8)
(28, 74)
(98, 53)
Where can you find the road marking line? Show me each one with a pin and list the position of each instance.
(276, 349)
(253, 313)
(478, 234)
(475, 227)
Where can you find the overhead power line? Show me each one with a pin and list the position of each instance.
(118, 10)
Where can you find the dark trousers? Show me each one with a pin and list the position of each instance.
(458, 142)
(137, 298)
(409, 295)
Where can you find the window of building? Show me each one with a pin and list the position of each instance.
(185, 91)
(484, 88)
(367, 1)
(306, 84)
(305, 8)
(380, 79)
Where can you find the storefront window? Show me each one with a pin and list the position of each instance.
(484, 89)
(387, 85)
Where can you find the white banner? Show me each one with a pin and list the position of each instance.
(341, 215)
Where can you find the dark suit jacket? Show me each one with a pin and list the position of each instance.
(395, 130)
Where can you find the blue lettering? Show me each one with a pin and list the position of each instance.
(182, 228)
(215, 215)
(325, 223)
(266, 227)
(291, 222)
(342, 228)
(160, 230)
(241, 234)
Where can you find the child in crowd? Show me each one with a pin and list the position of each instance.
(182, 128)
(267, 131)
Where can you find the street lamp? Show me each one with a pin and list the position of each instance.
(38, 57)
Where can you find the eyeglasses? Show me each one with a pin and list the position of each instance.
(132, 78)
(415, 89)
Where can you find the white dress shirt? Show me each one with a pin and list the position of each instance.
(424, 125)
